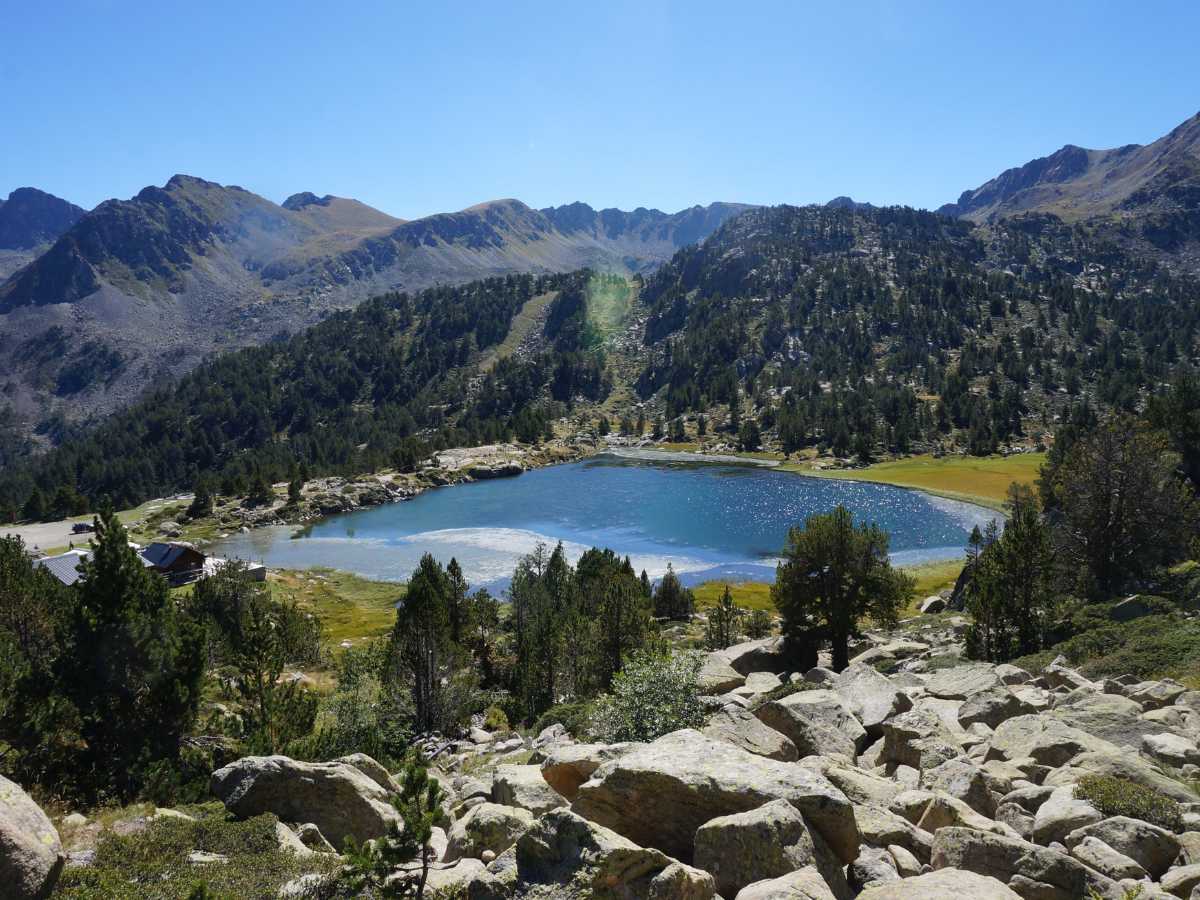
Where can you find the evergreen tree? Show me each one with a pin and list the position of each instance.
(419, 643)
(397, 864)
(295, 490)
(134, 668)
(456, 600)
(834, 574)
(1117, 506)
(749, 437)
(34, 509)
(260, 492)
(275, 710)
(202, 500)
(671, 599)
(722, 628)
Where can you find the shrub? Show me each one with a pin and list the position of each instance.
(1155, 646)
(1121, 797)
(153, 863)
(494, 719)
(572, 716)
(654, 694)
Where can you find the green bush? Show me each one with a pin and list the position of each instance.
(575, 717)
(1121, 797)
(654, 694)
(153, 863)
(1156, 646)
(494, 719)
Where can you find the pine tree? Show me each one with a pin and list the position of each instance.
(456, 600)
(721, 630)
(419, 641)
(202, 501)
(834, 574)
(671, 599)
(34, 509)
(134, 673)
(397, 864)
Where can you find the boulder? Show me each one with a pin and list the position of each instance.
(1061, 814)
(524, 787)
(1030, 870)
(1182, 881)
(1171, 749)
(1059, 674)
(760, 683)
(31, 854)
(944, 884)
(920, 739)
(817, 722)
(761, 843)
(1010, 674)
(1093, 852)
(1155, 694)
(962, 682)
(993, 707)
(336, 796)
(565, 856)
(907, 865)
(963, 780)
(873, 866)
(742, 728)
(659, 793)
(1151, 847)
(1045, 740)
(859, 785)
(934, 604)
(371, 769)
(803, 884)
(764, 655)
(1132, 607)
(870, 696)
(717, 676)
(1111, 717)
(488, 826)
(883, 828)
(891, 652)
(567, 766)
(1119, 764)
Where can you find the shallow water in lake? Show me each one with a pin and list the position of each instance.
(709, 520)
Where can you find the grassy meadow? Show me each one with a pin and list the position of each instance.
(982, 480)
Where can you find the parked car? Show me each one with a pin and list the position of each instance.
(82, 528)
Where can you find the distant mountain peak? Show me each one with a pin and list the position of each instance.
(845, 202)
(31, 217)
(1077, 183)
(306, 198)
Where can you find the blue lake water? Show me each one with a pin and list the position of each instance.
(709, 520)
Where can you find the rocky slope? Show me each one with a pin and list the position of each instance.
(911, 774)
(142, 289)
(1147, 195)
(30, 220)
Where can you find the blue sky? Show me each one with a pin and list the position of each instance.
(419, 108)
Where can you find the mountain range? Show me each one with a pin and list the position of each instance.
(139, 290)
(1147, 197)
(98, 306)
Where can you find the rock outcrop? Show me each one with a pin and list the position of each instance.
(31, 854)
(335, 796)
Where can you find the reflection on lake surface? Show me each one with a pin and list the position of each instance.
(709, 520)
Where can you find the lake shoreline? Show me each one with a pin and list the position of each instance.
(712, 517)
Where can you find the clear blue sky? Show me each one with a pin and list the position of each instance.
(423, 107)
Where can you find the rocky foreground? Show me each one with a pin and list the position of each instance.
(893, 779)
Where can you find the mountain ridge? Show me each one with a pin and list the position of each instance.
(1147, 196)
(179, 271)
